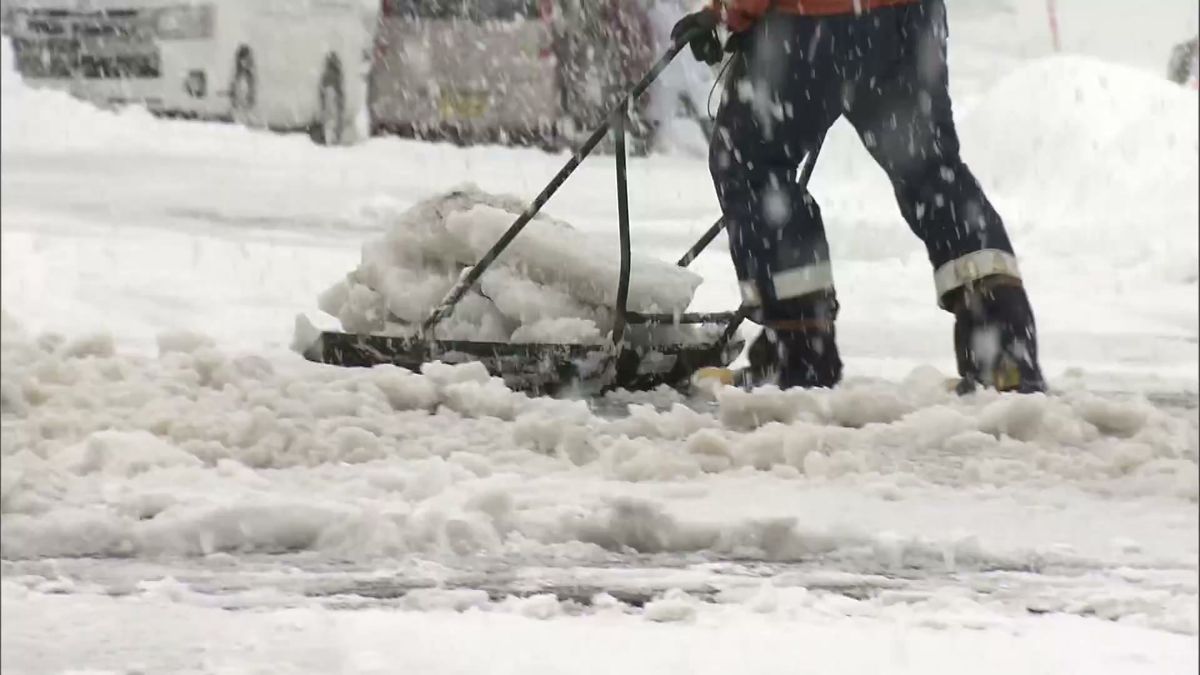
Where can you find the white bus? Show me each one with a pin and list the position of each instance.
(280, 64)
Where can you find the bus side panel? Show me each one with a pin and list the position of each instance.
(292, 41)
(276, 35)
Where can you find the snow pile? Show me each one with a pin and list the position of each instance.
(198, 452)
(552, 284)
(1092, 159)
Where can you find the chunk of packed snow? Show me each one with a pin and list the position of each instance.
(673, 606)
(445, 599)
(539, 606)
(552, 284)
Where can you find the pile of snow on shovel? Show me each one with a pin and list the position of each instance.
(553, 284)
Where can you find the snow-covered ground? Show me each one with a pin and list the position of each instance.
(181, 493)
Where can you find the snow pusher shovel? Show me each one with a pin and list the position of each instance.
(637, 357)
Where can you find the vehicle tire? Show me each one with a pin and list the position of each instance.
(329, 128)
(243, 89)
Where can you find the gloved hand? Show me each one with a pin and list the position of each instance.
(701, 30)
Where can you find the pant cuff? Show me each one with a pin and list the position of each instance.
(750, 295)
(973, 267)
(801, 281)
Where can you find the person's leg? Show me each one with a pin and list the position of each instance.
(778, 102)
(902, 111)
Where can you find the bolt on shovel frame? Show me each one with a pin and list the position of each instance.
(551, 368)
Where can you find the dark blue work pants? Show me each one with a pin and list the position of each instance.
(791, 78)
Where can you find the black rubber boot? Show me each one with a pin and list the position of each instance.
(797, 352)
(810, 358)
(995, 338)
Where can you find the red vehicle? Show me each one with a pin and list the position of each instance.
(539, 71)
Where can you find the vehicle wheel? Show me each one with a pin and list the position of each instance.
(243, 90)
(329, 127)
(548, 137)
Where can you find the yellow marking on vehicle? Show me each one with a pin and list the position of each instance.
(462, 104)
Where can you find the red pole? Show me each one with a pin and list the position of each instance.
(1052, 12)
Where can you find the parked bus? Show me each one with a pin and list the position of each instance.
(280, 64)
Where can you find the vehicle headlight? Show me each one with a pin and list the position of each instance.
(185, 22)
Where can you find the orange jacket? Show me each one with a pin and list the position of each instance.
(741, 14)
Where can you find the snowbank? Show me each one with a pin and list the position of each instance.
(552, 284)
(1092, 159)
(1086, 161)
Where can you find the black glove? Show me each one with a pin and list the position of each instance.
(700, 30)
